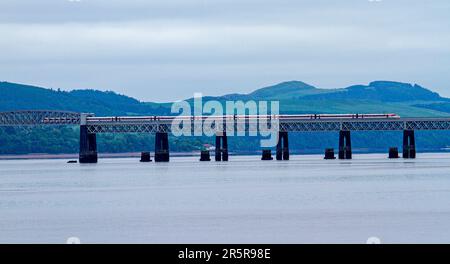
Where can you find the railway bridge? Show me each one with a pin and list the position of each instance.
(161, 126)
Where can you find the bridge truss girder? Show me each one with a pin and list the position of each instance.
(124, 125)
(284, 126)
(39, 117)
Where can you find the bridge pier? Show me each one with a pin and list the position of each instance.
(145, 157)
(329, 154)
(162, 147)
(266, 154)
(345, 145)
(205, 155)
(393, 153)
(88, 146)
(409, 144)
(221, 152)
(282, 146)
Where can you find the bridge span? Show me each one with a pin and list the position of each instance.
(161, 126)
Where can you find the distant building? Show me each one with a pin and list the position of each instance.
(208, 147)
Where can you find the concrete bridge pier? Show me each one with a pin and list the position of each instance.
(345, 145)
(162, 147)
(282, 146)
(266, 154)
(221, 152)
(88, 146)
(409, 144)
(205, 155)
(145, 157)
(329, 154)
(393, 153)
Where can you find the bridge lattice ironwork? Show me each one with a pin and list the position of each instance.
(154, 124)
(39, 117)
(284, 125)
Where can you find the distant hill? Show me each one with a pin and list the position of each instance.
(294, 96)
(22, 97)
(382, 91)
(285, 90)
(377, 97)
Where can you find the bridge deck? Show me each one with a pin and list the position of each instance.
(288, 123)
(125, 125)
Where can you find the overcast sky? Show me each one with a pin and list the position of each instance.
(162, 50)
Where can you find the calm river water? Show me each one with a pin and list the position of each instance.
(305, 200)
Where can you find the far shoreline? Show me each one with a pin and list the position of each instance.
(74, 156)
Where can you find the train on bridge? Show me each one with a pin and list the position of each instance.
(238, 117)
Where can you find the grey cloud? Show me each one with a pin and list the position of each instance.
(165, 50)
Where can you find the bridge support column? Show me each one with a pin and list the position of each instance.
(221, 152)
(162, 147)
(205, 155)
(88, 146)
(266, 154)
(145, 157)
(409, 144)
(283, 146)
(329, 154)
(393, 153)
(345, 145)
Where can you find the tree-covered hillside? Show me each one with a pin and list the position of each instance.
(22, 97)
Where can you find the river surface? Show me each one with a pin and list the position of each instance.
(304, 200)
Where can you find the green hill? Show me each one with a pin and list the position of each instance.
(378, 97)
(22, 97)
(295, 97)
